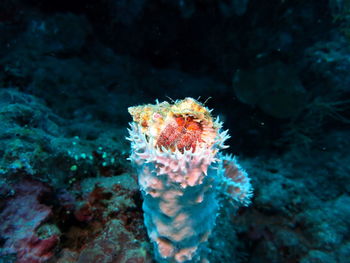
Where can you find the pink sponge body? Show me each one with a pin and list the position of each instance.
(175, 149)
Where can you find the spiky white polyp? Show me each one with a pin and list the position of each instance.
(180, 194)
(233, 181)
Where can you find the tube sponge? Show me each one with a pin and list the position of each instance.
(175, 149)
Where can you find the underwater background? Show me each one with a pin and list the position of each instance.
(276, 73)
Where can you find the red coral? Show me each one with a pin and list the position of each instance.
(114, 244)
(34, 249)
(84, 213)
(19, 220)
(94, 207)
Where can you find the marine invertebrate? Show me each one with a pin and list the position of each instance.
(175, 148)
(20, 221)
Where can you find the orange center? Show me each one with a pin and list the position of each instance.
(183, 133)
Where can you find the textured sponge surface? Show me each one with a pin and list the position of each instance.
(175, 149)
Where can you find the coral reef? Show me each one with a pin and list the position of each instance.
(64, 193)
(275, 72)
(21, 224)
(109, 227)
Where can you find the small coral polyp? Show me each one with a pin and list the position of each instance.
(175, 149)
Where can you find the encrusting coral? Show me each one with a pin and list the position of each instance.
(175, 149)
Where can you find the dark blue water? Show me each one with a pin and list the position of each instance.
(275, 72)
